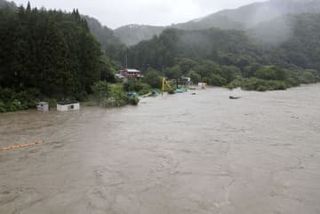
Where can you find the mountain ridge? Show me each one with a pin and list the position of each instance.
(241, 18)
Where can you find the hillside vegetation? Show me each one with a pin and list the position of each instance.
(53, 55)
(226, 57)
(47, 55)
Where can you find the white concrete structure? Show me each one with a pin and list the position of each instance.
(43, 106)
(68, 106)
(202, 85)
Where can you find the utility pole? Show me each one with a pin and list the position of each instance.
(126, 58)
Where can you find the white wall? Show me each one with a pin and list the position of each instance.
(69, 107)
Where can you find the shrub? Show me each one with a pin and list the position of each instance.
(28, 98)
(145, 89)
(11, 100)
(136, 86)
(133, 100)
(2, 107)
(254, 84)
(101, 91)
(307, 76)
(216, 80)
(195, 77)
(171, 91)
(271, 73)
(118, 96)
(52, 103)
(235, 83)
(152, 78)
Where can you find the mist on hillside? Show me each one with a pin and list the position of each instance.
(273, 22)
(268, 22)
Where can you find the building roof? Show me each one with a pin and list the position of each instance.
(67, 102)
(133, 70)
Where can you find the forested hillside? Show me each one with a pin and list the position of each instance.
(225, 57)
(133, 34)
(4, 3)
(110, 44)
(250, 15)
(213, 44)
(303, 46)
(48, 50)
(47, 54)
(242, 18)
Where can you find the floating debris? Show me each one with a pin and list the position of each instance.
(20, 146)
(234, 98)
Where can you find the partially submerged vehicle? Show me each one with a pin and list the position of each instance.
(234, 98)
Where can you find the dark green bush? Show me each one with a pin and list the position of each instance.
(254, 84)
(136, 86)
(195, 77)
(101, 91)
(3, 107)
(153, 78)
(171, 91)
(216, 80)
(308, 76)
(133, 100)
(11, 100)
(117, 96)
(271, 73)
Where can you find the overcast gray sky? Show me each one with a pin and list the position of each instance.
(115, 13)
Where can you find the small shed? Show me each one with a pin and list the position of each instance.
(68, 106)
(43, 106)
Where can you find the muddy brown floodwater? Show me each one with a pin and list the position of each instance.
(170, 155)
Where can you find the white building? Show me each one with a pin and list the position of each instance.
(68, 106)
(43, 106)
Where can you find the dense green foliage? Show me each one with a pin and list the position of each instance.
(51, 51)
(112, 95)
(153, 78)
(136, 86)
(13, 101)
(48, 50)
(167, 50)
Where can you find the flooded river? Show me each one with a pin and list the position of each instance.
(170, 155)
